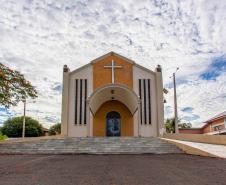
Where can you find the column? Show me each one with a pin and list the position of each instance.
(160, 103)
(65, 99)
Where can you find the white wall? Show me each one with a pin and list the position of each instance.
(86, 72)
(148, 129)
(74, 130)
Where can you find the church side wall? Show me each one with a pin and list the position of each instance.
(146, 130)
(77, 130)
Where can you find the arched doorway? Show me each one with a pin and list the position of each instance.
(100, 119)
(113, 124)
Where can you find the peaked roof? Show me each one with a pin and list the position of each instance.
(218, 116)
(112, 54)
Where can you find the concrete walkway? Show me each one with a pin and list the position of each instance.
(217, 150)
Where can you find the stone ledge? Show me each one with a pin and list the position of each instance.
(189, 149)
(200, 138)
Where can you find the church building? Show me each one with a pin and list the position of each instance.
(112, 96)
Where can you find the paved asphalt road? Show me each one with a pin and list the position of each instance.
(172, 169)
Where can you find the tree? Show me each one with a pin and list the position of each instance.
(170, 125)
(13, 127)
(14, 87)
(185, 125)
(55, 129)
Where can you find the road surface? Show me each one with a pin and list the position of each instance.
(174, 169)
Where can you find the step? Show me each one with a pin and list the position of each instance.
(91, 146)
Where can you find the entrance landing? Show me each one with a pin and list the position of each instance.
(95, 145)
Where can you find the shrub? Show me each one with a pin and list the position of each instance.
(55, 129)
(2, 137)
(13, 127)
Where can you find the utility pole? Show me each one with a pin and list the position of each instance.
(175, 101)
(23, 131)
(175, 104)
(24, 117)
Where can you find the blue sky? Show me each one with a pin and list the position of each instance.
(39, 36)
(216, 68)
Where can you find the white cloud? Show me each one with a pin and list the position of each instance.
(39, 36)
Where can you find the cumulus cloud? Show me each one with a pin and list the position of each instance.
(39, 36)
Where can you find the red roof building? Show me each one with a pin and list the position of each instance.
(213, 126)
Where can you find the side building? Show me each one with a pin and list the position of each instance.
(213, 126)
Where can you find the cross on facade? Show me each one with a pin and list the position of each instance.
(113, 67)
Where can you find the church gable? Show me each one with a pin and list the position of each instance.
(112, 54)
(102, 71)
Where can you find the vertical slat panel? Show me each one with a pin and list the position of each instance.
(78, 106)
(145, 112)
(149, 101)
(85, 101)
(140, 94)
(76, 100)
(80, 109)
(146, 102)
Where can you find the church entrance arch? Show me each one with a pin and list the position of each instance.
(109, 98)
(113, 118)
(110, 92)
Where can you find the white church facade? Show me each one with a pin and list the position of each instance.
(112, 96)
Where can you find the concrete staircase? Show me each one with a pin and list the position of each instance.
(107, 145)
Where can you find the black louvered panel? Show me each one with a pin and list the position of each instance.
(145, 108)
(80, 106)
(149, 100)
(80, 101)
(145, 97)
(140, 95)
(76, 101)
(85, 101)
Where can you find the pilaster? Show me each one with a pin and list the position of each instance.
(65, 96)
(160, 101)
